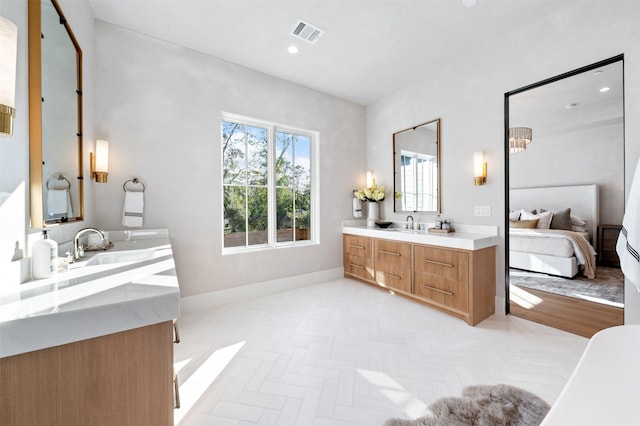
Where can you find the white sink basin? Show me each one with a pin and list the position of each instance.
(106, 258)
(406, 231)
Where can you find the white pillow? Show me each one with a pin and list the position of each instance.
(544, 219)
(578, 221)
(576, 228)
(514, 215)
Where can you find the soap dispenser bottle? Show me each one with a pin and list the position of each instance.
(44, 257)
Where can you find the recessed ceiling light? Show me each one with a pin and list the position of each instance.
(604, 89)
(293, 50)
(469, 3)
(571, 105)
(597, 72)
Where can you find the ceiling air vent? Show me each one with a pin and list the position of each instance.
(307, 32)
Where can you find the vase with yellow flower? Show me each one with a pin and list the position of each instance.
(372, 195)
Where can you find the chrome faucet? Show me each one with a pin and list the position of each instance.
(412, 222)
(78, 253)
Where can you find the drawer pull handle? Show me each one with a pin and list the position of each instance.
(353, 265)
(395, 277)
(176, 391)
(389, 253)
(176, 333)
(448, 293)
(357, 247)
(438, 263)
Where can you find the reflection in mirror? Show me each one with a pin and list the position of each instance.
(416, 166)
(565, 192)
(55, 115)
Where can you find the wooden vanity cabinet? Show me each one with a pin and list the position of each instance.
(456, 281)
(460, 282)
(392, 265)
(122, 379)
(358, 257)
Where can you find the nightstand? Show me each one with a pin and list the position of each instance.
(607, 239)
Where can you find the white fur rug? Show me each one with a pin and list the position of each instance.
(502, 405)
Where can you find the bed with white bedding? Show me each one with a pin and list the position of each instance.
(562, 252)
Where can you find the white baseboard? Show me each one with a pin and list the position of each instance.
(230, 295)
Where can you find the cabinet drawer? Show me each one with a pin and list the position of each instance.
(358, 246)
(394, 276)
(445, 263)
(392, 253)
(358, 266)
(449, 293)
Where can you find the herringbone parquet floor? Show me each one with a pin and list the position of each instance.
(343, 353)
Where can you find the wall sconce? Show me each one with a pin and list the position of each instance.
(479, 168)
(371, 180)
(8, 55)
(100, 161)
(519, 138)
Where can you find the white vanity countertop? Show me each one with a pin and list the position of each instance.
(466, 237)
(92, 301)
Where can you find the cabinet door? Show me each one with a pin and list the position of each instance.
(357, 246)
(358, 266)
(393, 265)
(437, 289)
(449, 264)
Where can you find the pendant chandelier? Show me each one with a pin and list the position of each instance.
(519, 138)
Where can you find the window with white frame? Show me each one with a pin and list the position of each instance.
(418, 177)
(268, 184)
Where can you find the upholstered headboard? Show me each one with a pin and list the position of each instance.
(582, 199)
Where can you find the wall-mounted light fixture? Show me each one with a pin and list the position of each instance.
(371, 180)
(100, 161)
(8, 52)
(479, 168)
(519, 138)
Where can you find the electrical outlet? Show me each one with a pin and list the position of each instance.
(482, 211)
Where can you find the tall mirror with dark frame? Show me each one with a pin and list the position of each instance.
(416, 168)
(55, 117)
(564, 150)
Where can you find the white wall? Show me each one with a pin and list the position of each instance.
(582, 157)
(14, 151)
(469, 97)
(160, 107)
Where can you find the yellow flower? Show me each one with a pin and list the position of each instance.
(373, 193)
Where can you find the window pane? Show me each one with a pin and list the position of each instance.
(302, 161)
(303, 214)
(233, 153)
(257, 208)
(284, 158)
(284, 198)
(234, 216)
(257, 153)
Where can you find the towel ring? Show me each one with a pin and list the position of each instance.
(134, 181)
(59, 177)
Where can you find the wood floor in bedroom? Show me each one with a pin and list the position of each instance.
(578, 316)
(342, 353)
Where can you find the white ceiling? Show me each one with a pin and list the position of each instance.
(369, 49)
(571, 104)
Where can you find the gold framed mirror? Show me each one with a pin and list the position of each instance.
(416, 168)
(55, 117)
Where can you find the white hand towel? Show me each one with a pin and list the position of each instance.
(357, 207)
(132, 212)
(628, 246)
(58, 203)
